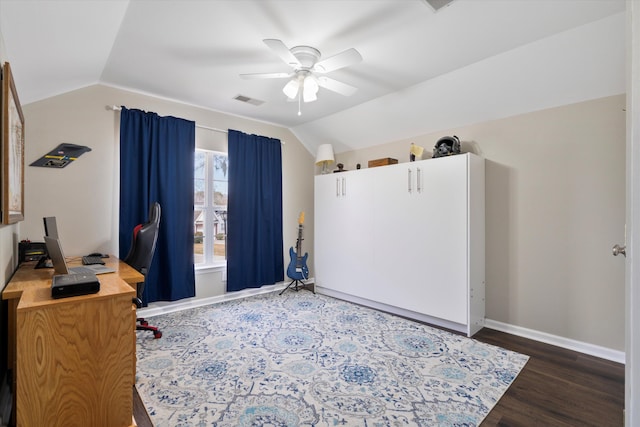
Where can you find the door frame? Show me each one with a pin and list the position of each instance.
(632, 234)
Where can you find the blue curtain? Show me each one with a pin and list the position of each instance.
(254, 235)
(156, 164)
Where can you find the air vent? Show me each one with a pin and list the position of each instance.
(438, 4)
(248, 100)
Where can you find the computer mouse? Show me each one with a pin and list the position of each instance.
(99, 254)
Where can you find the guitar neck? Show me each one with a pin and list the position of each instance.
(299, 242)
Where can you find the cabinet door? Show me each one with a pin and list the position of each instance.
(343, 234)
(423, 210)
(76, 358)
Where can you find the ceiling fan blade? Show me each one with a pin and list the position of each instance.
(266, 76)
(341, 60)
(282, 51)
(336, 86)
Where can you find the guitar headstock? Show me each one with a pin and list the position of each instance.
(301, 218)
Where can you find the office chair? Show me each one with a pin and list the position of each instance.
(143, 246)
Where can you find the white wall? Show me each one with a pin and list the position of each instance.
(84, 195)
(554, 208)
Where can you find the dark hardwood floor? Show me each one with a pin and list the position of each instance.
(556, 388)
(139, 411)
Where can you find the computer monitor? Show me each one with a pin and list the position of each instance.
(50, 227)
(60, 263)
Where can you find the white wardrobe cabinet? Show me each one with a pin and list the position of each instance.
(406, 238)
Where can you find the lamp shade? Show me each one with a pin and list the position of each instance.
(324, 154)
(291, 88)
(310, 89)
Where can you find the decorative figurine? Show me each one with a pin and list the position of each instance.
(415, 151)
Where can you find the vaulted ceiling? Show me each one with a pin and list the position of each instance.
(422, 70)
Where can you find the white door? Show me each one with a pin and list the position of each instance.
(632, 294)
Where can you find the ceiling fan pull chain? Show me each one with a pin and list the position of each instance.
(299, 103)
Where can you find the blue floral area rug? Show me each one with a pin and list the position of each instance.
(303, 359)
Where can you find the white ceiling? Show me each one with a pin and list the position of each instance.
(422, 70)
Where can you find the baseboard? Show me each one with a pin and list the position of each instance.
(158, 308)
(582, 347)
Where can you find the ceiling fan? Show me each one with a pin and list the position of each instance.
(307, 75)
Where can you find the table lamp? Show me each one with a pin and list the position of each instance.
(324, 156)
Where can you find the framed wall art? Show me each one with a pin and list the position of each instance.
(12, 150)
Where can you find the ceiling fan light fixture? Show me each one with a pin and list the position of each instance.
(291, 88)
(309, 96)
(303, 84)
(310, 89)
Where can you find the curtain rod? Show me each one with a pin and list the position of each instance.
(116, 108)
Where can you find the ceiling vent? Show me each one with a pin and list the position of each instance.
(438, 4)
(248, 100)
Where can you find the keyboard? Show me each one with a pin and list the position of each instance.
(89, 260)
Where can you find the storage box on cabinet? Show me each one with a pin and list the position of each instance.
(382, 162)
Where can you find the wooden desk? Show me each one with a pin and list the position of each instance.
(28, 277)
(88, 326)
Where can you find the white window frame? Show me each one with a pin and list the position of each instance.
(209, 209)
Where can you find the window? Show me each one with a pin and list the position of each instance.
(210, 207)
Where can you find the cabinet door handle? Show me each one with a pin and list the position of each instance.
(337, 187)
(418, 179)
(344, 187)
(409, 180)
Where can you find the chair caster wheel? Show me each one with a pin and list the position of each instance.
(157, 334)
(144, 323)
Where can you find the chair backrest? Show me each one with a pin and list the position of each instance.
(143, 241)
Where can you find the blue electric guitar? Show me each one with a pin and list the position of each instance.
(297, 269)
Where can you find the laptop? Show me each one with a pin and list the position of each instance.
(60, 264)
